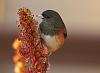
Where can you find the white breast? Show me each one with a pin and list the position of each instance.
(53, 42)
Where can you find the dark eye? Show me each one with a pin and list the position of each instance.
(47, 17)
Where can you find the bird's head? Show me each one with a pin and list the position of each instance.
(50, 15)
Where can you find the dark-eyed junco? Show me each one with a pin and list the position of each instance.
(53, 30)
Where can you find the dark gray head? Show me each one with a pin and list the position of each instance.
(52, 18)
(51, 14)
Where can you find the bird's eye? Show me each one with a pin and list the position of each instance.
(47, 17)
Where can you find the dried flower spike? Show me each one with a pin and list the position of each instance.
(32, 50)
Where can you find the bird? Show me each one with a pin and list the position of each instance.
(52, 30)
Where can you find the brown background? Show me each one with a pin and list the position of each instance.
(81, 51)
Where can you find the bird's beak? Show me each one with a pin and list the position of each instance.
(40, 16)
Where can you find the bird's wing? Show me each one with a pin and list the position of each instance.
(62, 28)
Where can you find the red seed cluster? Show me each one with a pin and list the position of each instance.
(33, 50)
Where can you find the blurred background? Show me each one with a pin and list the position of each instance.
(81, 51)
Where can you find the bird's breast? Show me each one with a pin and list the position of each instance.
(53, 42)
